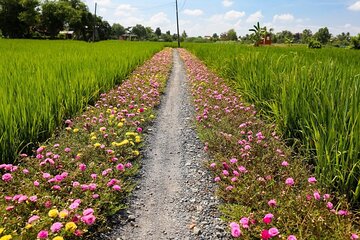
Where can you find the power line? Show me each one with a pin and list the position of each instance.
(183, 5)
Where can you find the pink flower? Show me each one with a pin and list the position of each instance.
(244, 222)
(265, 234)
(88, 219)
(213, 165)
(40, 150)
(326, 196)
(56, 227)
(74, 205)
(289, 181)
(242, 169)
(116, 187)
(46, 175)
(82, 167)
(139, 129)
(120, 167)
(225, 173)
(43, 234)
(88, 211)
(235, 229)
(343, 213)
(217, 179)
(25, 171)
(284, 164)
(291, 237)
(95, 196)
(33, 219)
(272, 203)
(312, 180)
(9, 208)
(317, 195)
(33, 198)
(93, 176)
(92, 186)
(229, 188)
(233, 160)
(354, 236)
(67, 150)
(75, 184)
(6, 177)
(273, 232)
(56, 187)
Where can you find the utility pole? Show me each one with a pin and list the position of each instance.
(94, 24)
(177, 23)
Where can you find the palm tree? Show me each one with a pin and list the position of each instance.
(258, 33)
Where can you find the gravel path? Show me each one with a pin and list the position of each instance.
(175, 198)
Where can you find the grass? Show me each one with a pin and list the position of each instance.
(44, 82)
(312, 96)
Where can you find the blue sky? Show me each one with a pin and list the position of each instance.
(201, 17)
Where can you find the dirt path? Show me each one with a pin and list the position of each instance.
(175, 197)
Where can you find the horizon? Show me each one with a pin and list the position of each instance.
(199, 19)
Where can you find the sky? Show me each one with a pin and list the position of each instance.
(203, 18)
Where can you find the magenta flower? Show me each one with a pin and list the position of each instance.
(244, 222)
(242, 169)
(291, 237)
(273, 232)
(213, 165)
(93, 176)
(67, 150)
(116, 187)
(33, 198)
(82, 167)
(312, 180)
(120, 167)
(6, 177)
(326, 196)
(217, 179)
(56, 227)
(233, 160)
(289, 181)
(268, 218)
(265, 234)
(95, 196)
(43, 234)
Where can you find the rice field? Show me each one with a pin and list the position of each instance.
(45, 82)
(313, 96)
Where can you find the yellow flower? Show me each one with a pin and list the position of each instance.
(58, 238)
(131, 134)
(136, 153)
(137, 139)
(76, 130)
(132, 143)
(93, 134)
(122, 143)
(97, 145)
(6, 237)
(53, 213)
(70, 226)
(123, 120)
(28, 226)
(68, 129)
(63, 214)
(111, 116)
(108, 110)
(143, 120)
(2, 230)
(93, 138)
(152, 116)
(120, 124)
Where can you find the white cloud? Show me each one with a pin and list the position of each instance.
(255, 17)
(287, 17)
(233, 15)
(227, 3)
(193, 12)
(159, 19)
(125, 10)
(355, 6)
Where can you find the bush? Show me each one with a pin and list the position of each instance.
(355, 42)
(314, 44)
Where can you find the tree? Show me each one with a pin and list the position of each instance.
(323, 35)
(18, 17)
(158, 31)
(231, 35)
(53, 17)
(284, 37)
(117, 30)
(183, 36)
(140, 31)
(224, 36)
(306, 36)
(103, 29)
(215, 37)
(355, 42)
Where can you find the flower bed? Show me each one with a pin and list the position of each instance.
(77, 179)
(267, 191)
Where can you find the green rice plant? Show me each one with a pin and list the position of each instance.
(313, 96)
(44, 82)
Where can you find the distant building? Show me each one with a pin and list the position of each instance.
(67, 34)
(128, 37)
(266, 40)
(207, 37)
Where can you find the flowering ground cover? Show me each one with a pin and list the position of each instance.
(78, 178)
(268, 192)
